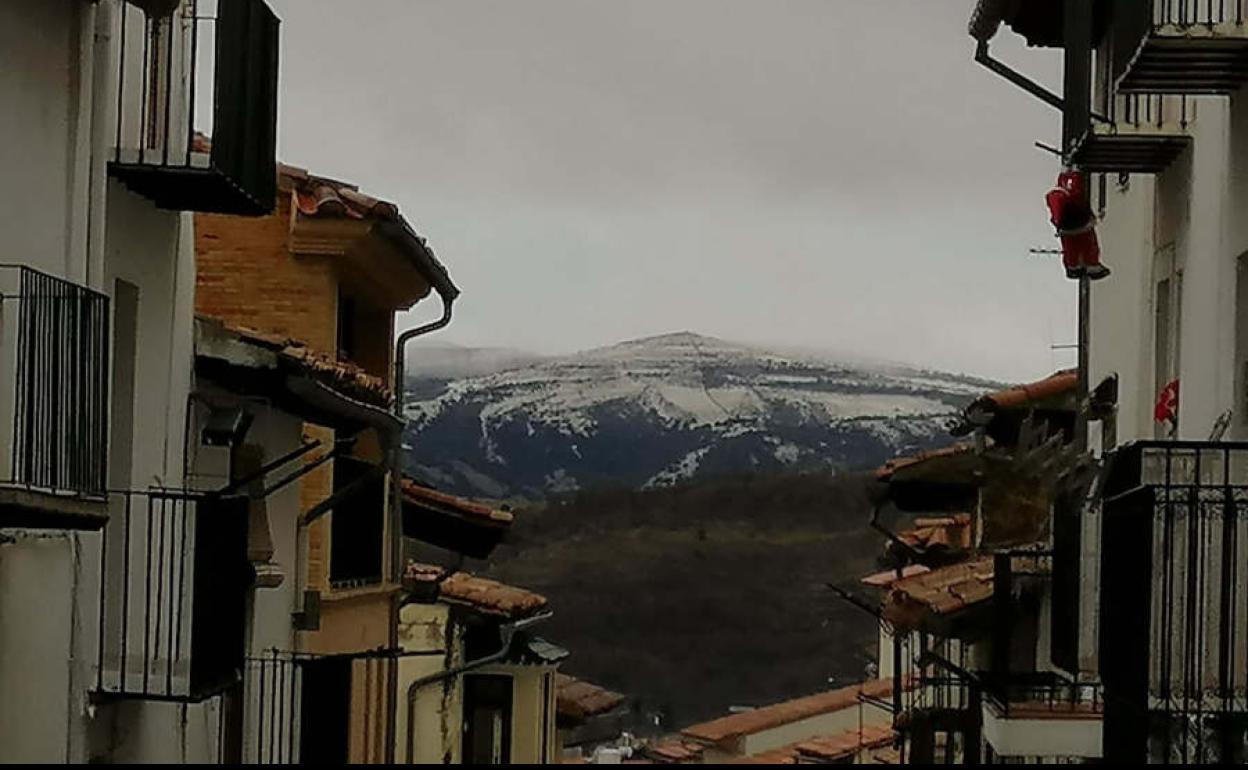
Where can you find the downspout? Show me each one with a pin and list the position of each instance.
(396, 444)
(506, 632)
(104, 112)
(448, 295)
(1001, 69)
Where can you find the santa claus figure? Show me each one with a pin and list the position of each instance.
(1070, 210)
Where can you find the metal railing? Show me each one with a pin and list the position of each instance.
(1188, 13)
(1153, 111)
(1032, 693)
(272, 708)
(1174, 597)
(302, 705)
(173, 582)
(197, 92)
(54, 346)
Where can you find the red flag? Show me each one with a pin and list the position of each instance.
(1167, 408)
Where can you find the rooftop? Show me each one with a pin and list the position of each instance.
(326, 198)
(483, 595)
(825, 749)
(939, 592)
(342, 376)
(577, 699)
(674, 751)
(778, 714)
(415, 494)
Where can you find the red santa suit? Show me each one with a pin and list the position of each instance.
(1070, 211)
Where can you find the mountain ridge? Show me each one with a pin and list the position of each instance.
(665, 408)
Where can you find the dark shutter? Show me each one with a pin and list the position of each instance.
(1067, 555)
(325, 718)
(244, 133)
(219, 610)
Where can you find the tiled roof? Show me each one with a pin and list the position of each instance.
(578, 699)
(947, 532)
(785, 755)
(343, 376)
(775, 715)
(886, 471)
(423, 496)
(846, 744)
(322, 197)
(824, 749)
(942, 591)
(486, 596)
(888, 577)
(674, 751)
(1054, 386)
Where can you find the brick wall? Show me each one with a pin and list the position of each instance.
(246, 276)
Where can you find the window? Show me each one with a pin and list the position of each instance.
(1167, 322)
(1240, 406)
(487, 719)
(348, 334)
(357, 526)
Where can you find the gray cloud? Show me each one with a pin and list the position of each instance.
(822, 173)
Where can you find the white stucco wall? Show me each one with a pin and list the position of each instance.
(1050, 738)
(37, 87)
(62, 217)
(36, 586)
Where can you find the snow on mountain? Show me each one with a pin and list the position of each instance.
(661, 409)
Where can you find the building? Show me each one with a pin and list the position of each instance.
(322, 277)
(476, 686)
(966, 606)
(833, 726)
(587, 716)
(1148, 571)
(96, 365)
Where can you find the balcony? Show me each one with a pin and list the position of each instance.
(1180, 46)
(1174, 631)
(1042, 715)
(54, 347)
(218, 54)
(1148, 132)
(173, 591)
(296, 708)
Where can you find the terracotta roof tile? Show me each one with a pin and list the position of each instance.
(888, 577)
(951, 533)
(775, 715)
(785, 755)
(847, 744)
(1055, 385)
(344, 376)
(486, 596)
(885, 472)
(424, 496)
(941, 591)
(322, 197)
(578, 699)
(824, 749)
(674, 751)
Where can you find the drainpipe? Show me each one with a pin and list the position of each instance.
(104, 112)
(448, 295)
(506, 631)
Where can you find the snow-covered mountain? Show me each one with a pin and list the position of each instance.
(662, 409)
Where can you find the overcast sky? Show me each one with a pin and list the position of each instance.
(833, 174)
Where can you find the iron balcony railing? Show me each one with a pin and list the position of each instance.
(1174, 600)
(54, 346)
(197, 104)
(1028, 694)
(174, 577)
(1179, 46)
(298, 707)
